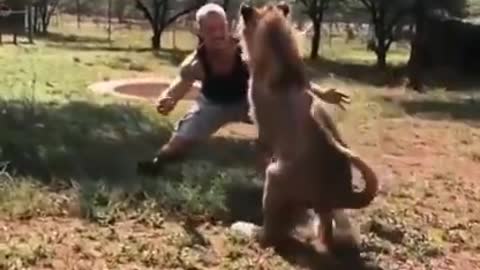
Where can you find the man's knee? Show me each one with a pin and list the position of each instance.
(177, 146)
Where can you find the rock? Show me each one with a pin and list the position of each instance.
(387, 231)
(245, 228)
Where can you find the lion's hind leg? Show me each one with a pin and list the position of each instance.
(324, 230)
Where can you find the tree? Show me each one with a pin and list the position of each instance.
(120, 7)
(44, 9)
(161, 13)
(315, 10)
(456, 8)
(78, 6)
(420, 10)
(385, 15)
(109, 15)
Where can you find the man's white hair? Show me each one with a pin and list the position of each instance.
(208, 9)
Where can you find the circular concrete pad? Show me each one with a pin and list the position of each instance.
(139, 88)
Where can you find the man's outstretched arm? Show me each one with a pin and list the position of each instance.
(190, 71)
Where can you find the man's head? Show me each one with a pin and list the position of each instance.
(213, 26)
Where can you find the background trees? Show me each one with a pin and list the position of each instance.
(386, 17)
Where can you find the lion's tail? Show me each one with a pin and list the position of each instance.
(355, 200)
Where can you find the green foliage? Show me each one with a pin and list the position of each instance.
(454, 7)
(16, 4)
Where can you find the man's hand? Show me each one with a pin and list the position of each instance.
(331, 96)
(334, 97)
(165, 105)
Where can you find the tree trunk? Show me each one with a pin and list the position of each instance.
(159, 19)
(316, 16)
(381, 53)
(226, 4)
(415, 63)
(77, 2)
(30, 23)
(35, 19)
(109, 29)
(317, 28)
(44, 19)
(380, 31)
(120, 6)
(156, 39)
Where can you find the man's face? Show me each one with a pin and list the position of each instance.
(214, 31)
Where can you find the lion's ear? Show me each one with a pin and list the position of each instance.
(247, 12)
(284, 7)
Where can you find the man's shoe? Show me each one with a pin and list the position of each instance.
(149, 168)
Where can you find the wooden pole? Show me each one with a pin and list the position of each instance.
(174, 38)
(77, 2)
(110, 21)
(30, 23)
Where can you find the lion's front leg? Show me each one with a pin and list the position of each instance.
(279, 211)
(263, 155)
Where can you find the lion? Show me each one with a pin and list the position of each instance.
(310, 165)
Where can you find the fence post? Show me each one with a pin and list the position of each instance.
(29, 23)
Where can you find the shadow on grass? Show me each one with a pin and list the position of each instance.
(77, 140)
(96, 47)
(72, 38)
(459, 108)
(359, 72)
(174, 56)
(452, 80)
(305, 256)
(98, 146)
(392, 76)
(456, 110)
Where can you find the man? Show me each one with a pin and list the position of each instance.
(223, 70)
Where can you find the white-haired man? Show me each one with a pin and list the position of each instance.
(220, 65)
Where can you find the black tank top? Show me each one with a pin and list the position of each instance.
(225, 89)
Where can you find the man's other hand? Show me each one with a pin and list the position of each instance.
(335, 97)
(165, 105)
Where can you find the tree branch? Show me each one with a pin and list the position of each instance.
(388, 43)
(372, 8)
(327, 4)
(52, 10)
(396, 19)
(367, 4)
(305, 3)
(310, 8)
(143, 8)
(184, 12)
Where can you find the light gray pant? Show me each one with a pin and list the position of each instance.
(206, 117)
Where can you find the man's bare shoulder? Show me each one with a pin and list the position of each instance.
(190, 68)
(240, 43)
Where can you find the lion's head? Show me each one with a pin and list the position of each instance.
(253, 17)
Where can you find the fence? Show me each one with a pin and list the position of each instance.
(16, 21)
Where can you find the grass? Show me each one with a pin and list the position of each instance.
(356, 51)
(71, 197)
